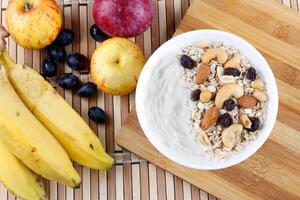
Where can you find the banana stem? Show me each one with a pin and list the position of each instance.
(3, 34)
(6, 61)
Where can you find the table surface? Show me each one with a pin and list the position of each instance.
(132, 177)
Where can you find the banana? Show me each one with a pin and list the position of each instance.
(80, 142)
(17, 178)
(30, 141)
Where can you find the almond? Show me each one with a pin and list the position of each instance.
(247, 101)
(210, 118)
(202, 73)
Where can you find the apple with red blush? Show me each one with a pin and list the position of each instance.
(123, 18)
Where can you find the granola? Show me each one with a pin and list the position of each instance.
(229, 97)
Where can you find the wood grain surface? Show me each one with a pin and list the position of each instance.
(133, 177)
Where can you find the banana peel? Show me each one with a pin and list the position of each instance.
(80, 142)
(17, 178)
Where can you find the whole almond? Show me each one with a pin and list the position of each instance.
(202, 73)
(210, 118)
(247, 101)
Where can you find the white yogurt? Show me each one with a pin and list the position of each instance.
(167, 106)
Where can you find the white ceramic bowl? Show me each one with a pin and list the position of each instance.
(159, 119)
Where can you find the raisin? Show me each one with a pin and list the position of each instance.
(232, 72)
(229, 104)
(251, 74)
(195, 95)
(255, 124)
(187, 62)
(225, 120)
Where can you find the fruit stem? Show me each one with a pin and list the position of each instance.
(27, 6)
(6, 61)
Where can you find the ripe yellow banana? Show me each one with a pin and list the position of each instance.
(30, 141)
(81, 143)
(17, 178)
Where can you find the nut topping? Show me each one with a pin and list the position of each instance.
(247, 101)
(202, 73)
(210, 118)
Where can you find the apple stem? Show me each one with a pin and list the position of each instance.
(28, 6)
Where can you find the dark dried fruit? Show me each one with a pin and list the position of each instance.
(97, 115)
(187, 62)
(68, 81)
(88, 89)
(232, 71)
(77, 61)
(225, 120)
(97, 34)
(57, 53)
(255, 124)
(229, 104)
(65, 37)
(251, 74)
(49, 68)
(195, 95)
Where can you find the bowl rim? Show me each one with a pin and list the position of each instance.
(147, 68)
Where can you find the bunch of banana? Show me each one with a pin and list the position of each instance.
(32, 112)
(17, 178)
(30, 141)
(56, 115)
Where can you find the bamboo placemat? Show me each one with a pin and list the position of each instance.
(132, 177)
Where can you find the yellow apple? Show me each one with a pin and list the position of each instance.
(33, 24)
(116, 65)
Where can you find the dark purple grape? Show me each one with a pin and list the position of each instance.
(65, 37)
(232, 71)
(187, 62)
(49, 68)
(251, 74)
(77, 61)
(195, 95)
(68, 81)
(229, 104)
(255, 124)
(225, 120)
(97, 34)
(57, 53)
(98, 115)
(88, 89)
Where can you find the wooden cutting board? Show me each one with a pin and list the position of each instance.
(274, 171)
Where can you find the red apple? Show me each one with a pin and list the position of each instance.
(33, 24)
(123, 18)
